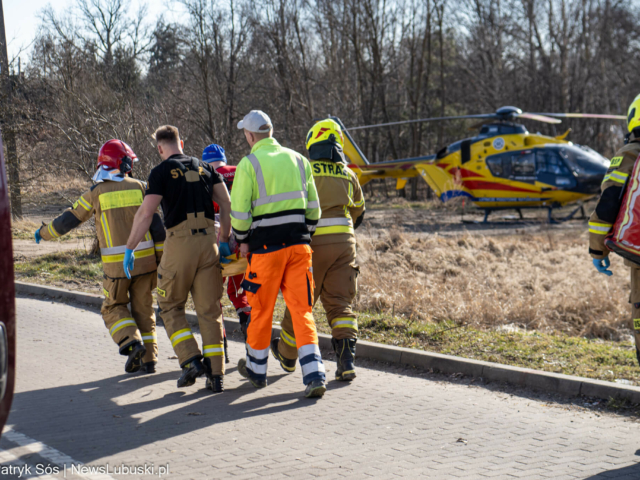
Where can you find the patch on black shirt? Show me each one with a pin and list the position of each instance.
(168, 180)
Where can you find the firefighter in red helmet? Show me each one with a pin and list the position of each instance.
(113, 201)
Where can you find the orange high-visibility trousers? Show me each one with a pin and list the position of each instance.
(288, 269)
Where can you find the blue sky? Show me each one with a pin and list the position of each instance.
(22, 19)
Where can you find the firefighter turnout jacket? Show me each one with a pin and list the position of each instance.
(341, 201)
(114, 205)
(606, 211)
(274, 202)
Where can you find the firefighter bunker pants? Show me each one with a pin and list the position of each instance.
(335, 276)
(288, 269)
(634, 299)
(191, 263)
(139, 324)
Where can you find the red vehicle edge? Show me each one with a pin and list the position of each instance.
(7, 299)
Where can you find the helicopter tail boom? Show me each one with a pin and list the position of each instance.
(445, 185)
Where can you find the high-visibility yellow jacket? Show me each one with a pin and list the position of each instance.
(114, 204)
(341, 201)
(608, 206)
(274, 202)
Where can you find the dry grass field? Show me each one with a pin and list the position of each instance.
(542, 282)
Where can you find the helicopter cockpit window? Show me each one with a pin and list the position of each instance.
(523, 166)
(552, 169)
(550, 162)
(499, 165)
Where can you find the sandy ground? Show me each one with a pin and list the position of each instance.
(29, 248)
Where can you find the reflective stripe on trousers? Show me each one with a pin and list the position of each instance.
(120, 324)
(311, 363)
(257, 362)
(180, 336)
(344, 322)
(288, 339)
(213, 350)
(149, 337)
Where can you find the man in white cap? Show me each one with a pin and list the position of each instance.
(274, 212)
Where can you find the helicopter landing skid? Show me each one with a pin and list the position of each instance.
(551, 220)
(572, 214)
(487, 212)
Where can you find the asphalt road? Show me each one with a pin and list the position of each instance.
(76, 408)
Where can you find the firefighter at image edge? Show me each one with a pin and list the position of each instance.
(274, 211)
(114, 201)
(186, 187)
(606, 212)
(334, 250)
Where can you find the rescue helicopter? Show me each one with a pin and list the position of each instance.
(502, 167)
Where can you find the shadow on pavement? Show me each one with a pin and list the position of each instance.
(86, 422)
(632, 472)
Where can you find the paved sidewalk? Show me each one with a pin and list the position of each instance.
(74, 404)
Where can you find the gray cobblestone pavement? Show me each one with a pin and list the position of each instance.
(74, 404)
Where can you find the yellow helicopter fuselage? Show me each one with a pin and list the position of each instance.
(503, 167)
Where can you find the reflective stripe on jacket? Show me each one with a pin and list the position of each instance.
(274, 199)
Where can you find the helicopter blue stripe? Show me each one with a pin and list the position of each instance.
(446, 196)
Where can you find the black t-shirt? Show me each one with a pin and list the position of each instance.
(168, 180)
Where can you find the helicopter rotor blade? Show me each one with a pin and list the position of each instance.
(604, 116)
(433, 119)
(540, 118)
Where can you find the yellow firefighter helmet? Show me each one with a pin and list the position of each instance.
(324, 130)
(633, 115)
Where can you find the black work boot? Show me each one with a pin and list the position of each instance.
(315, 389)
(244, 318)
(242, 370)
(148, 367)
(346, 358)
(134, 351)
(638, 355)
(190, 371)
(214, 382)
(287, 365)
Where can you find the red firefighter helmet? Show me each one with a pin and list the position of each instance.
(116, 154)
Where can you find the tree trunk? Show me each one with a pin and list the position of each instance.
(13, 171)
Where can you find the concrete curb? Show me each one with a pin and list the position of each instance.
(544, 381)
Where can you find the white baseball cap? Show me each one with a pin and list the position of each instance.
(255, 119)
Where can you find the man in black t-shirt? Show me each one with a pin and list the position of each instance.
(185, 187)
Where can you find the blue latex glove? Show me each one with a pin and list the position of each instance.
(38, 236)
(127, 263)
(225, 251)
(603, 265)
